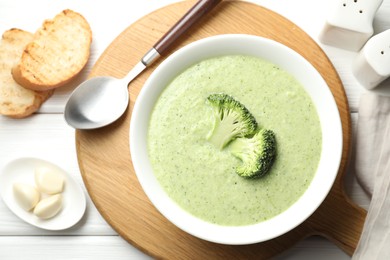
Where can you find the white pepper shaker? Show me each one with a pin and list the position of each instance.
(349, 24)
(372, 64)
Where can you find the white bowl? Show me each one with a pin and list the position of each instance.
(22, 170)
(286, 59)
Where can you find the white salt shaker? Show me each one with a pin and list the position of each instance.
(372, 64)
(349, 24)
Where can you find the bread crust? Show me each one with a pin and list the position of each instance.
(15, 100)
(58, 52)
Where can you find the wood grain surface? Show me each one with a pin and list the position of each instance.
(105, 161)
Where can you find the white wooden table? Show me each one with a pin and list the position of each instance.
(46, 135)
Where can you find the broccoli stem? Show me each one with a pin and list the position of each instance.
(224, 130)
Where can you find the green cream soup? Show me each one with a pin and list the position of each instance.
(202, 178)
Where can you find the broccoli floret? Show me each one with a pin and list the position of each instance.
(257, 153)
(232, 120)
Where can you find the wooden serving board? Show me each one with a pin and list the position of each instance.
(105, 161)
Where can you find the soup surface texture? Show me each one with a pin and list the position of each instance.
(201, 178)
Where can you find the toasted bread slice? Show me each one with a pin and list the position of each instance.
(15, 100)
(58, 52)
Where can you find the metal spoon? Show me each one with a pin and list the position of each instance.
(100, 101)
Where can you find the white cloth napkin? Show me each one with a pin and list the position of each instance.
(372, 169)
(372, 150)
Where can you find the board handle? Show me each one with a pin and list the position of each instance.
(201, 8)
(340, 220)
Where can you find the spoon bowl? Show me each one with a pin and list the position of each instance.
(97, 102)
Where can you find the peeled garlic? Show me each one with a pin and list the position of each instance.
(49, 180)
(26, 195)
(48, 207)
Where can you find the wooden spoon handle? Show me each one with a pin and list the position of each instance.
(201, 8)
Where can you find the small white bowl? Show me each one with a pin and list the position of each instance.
(286, 59)
(22, 170)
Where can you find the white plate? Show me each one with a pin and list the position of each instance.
(22, 170)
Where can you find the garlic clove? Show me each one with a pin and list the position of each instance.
(26, 195)
(48, 207)
(49, 180)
